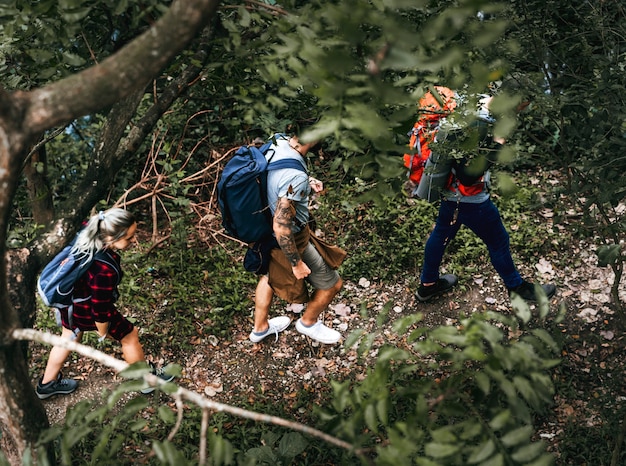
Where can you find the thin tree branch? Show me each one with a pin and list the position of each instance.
(180, 393)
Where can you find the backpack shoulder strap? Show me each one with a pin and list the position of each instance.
(287, 163)
(106, 258)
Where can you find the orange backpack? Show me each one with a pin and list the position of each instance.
(431, 111)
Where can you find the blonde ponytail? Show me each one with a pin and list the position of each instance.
(102, 229)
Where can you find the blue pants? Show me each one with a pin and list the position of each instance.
(484, 220)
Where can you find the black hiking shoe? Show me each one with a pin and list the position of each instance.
(160, 373)
(531, 292)
(443, 284)
(60, 386)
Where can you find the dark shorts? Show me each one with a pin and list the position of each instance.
(119, 326)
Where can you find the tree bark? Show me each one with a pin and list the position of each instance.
(24, 116)
(39, 191)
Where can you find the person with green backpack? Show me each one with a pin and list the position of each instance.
(465, 200)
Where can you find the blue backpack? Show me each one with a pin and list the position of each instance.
(56, 281)
(242, 192)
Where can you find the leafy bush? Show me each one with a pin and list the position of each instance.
(454, 396)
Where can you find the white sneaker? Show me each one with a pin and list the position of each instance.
(319, 332)
(277, 325)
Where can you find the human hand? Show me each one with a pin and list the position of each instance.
(301, 270)
(316, 185)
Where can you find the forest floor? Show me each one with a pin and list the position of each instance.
(584, 425)
(234, 370)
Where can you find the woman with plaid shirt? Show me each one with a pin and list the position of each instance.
(94, 299)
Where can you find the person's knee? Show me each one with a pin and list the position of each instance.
(132, 337)
(338, 286)
(71, 335)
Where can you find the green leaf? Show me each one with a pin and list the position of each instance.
(483, 382)
(528, 452)
(501, 420)
(444, 436)
(382, 410)
(440, 450)
(120, 8)
(321, 130)
(546, 338)
(167, 453)
(221, 450)
(521, 308)
(517, 436)
(353, 338)
(506, 184)
(262, 455)
(424, 462)
(527, 391)
(136, 370)
(401, 325)
(543, 460)
(609, 255)
(497, 460)
(138, 425)
(40, 55)
(166, 414)
(482, 452)
(370, 418)
(291, 445)
(73, 59)
(76, 15)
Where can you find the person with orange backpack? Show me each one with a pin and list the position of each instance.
(464, 193)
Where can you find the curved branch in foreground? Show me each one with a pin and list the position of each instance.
(197, 399)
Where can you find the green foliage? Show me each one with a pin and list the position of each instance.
(577, 113)
(277, 449)
(464, 395)
(159, 285)
(388, 236)
(99, 431)
(358, 68)
(48, 40)
(456, 396)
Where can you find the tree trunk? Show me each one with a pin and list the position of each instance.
(39, 191)
(24, 116)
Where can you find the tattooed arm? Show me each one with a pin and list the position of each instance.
(284, 222)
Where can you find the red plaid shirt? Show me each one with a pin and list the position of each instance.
(100, 282)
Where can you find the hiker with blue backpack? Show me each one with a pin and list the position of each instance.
(93, 296)
(301, 258)
(462, 186)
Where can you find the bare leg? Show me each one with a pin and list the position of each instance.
(131, 348)
(262, 302)
(320, 301)
(58, 356)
